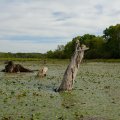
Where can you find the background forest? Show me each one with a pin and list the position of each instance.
(105, 47)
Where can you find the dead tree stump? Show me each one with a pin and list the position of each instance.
(72, 69)
(42, 72)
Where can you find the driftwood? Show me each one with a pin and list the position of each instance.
(42, 72)
(14, 68)
(72, 69)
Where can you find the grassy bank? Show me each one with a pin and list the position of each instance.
(53, 60)
(103, 60)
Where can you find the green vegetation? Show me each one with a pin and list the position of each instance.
(20, 59)
(21, 55)
(101, 47)
(95, 95)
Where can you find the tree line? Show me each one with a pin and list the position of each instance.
(105, 47)
(21, 55)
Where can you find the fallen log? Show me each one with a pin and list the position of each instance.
(14, 68)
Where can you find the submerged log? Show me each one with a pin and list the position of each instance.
(72, 69)
(14, 68)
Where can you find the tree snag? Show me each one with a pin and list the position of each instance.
(72, 69)
(14, 68)
(42, 72)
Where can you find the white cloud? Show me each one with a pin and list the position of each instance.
(26, 46)
(56, 18)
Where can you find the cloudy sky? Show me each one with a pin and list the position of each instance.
(41, 25)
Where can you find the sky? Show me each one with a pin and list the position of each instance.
(41, 25)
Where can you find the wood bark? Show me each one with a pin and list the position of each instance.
(14, 68)
(72, 69)
(42, 72)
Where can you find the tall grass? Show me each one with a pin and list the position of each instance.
(51, 60)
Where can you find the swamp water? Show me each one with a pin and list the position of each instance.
(96, 93)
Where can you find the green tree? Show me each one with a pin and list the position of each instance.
(69, 48)
(96, 45)
(112, 37)
(50, 54)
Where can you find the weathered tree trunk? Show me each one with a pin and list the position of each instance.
(42, 72)
(14, 68)
(72, 69)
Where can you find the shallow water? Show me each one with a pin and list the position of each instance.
(95, 96)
